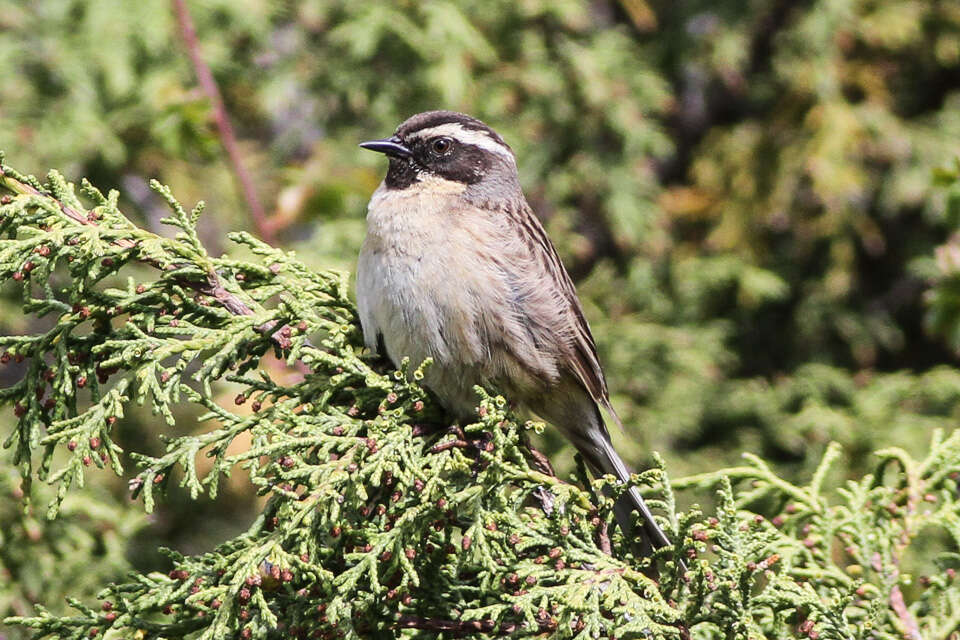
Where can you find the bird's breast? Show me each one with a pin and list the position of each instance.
(432, 282)
(415, 277)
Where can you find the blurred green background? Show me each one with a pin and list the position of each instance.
(745, 193)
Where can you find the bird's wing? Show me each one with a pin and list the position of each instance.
(581, 352)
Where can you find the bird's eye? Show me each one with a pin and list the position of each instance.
(442, 145)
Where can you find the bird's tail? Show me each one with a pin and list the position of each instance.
(599, 454)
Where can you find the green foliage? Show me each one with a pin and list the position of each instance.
(741, 191)
(76, 554)
(380, 520)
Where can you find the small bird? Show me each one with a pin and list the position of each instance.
(456, 267)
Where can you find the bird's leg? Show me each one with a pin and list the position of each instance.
(540, 461)
(459, 441)
(427, 428)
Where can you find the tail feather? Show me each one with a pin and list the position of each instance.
(593, 443)
(581, 421)
(608, 461)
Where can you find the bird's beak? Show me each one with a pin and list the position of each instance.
(389, 146)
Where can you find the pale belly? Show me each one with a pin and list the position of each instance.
(418, 296)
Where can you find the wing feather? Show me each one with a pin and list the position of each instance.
(580, 354)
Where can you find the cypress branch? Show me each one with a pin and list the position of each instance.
(383, 520)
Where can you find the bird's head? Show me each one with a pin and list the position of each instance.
(447, 151)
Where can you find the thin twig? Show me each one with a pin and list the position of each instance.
(467, 627)
(212, 287)
(900, 608)
(220, 116)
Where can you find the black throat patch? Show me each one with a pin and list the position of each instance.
(402, 173)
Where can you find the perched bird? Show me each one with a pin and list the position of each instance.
(456, 267)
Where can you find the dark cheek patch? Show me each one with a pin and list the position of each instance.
(467, 164)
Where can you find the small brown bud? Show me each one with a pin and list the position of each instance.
(216, 603)
(410, 553)
(94, 442)
(86, 461)
(94, 632)
(81, 381)
(465, 543)
(6, 199)
(244, 596)
(240, 399)
(110, 617)
(256, 405)
(18, 276)
(27, 266)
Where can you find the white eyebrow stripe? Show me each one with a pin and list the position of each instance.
(467, 136)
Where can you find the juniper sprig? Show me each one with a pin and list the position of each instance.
(382, 519)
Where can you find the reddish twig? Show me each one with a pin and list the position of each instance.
(900, 608)
(468, 627)
(452, 626)
(222, 119)
(604, 539)
(449, 444)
